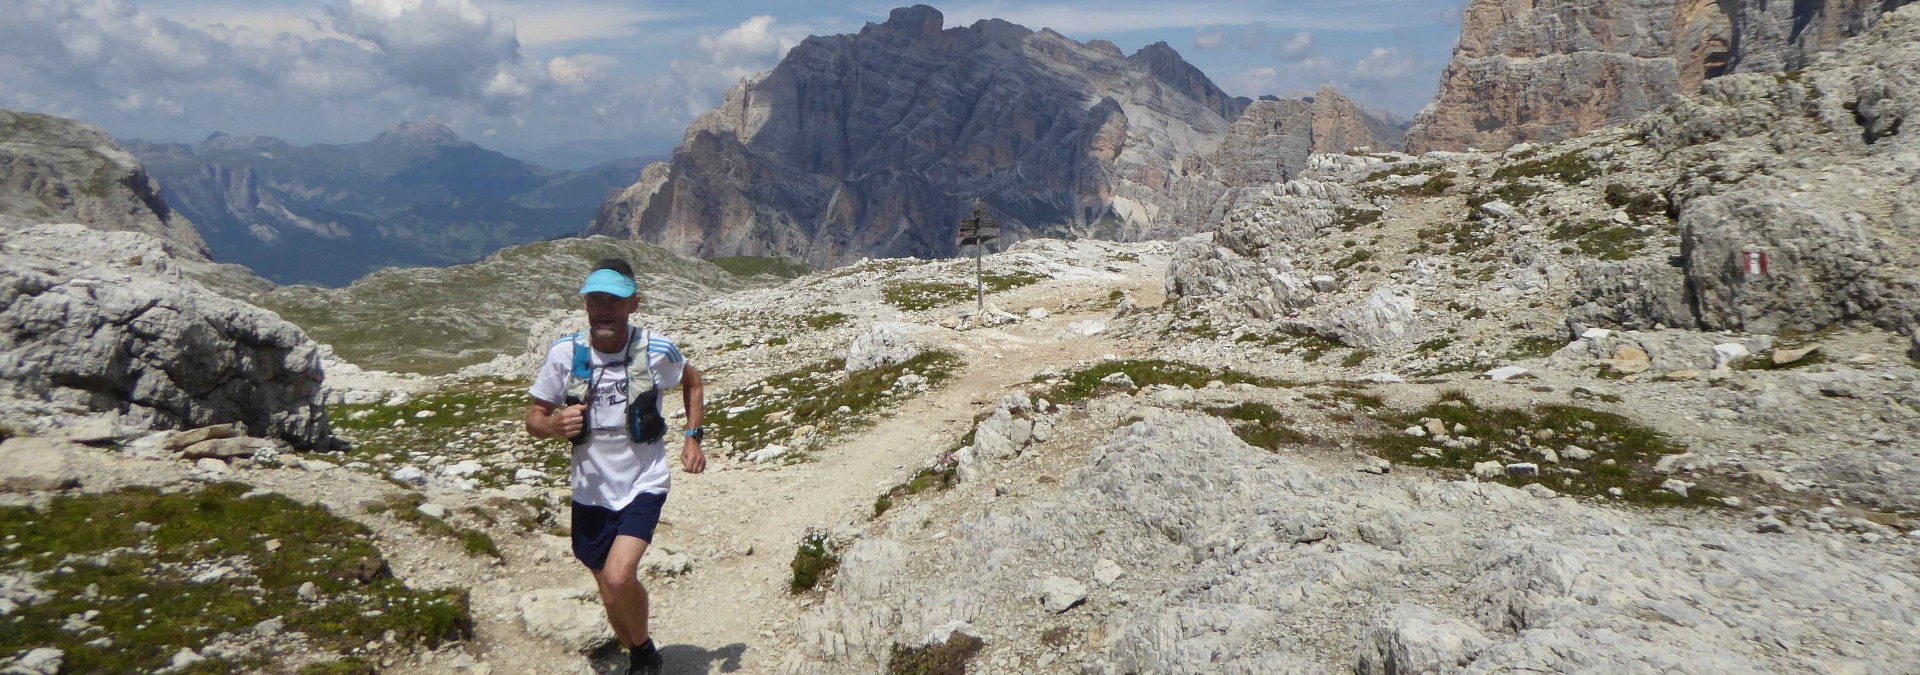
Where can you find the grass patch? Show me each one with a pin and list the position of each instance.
(758, 414)
(1637, 203)
(348, 666)
(405, 507)
(1085, 384)
(825, 321)
(156, 589)
(485, 418)
(753, 266)
(1535, 347)
(940, 477)
(816, 559)
(1357, 399)
(1261, 426)
(1569, 168)
(1351, 218)
(1622, 452)
(1353, 258)
(1434, 345)
(1601, 238)
(947, 658)
(1356, 358)
(912, 296)
(997, 281)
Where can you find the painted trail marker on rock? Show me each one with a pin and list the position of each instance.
(1753, 263)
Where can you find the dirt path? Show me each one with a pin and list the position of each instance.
(734, 610)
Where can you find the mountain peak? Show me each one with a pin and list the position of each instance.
(430, 132)
(919, 20)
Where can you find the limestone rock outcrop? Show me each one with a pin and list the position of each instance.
(875, 144)
(1529, 72)
(60, 170)
(109, 322)
(1809, 171)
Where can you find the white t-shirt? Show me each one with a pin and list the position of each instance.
(611, 468)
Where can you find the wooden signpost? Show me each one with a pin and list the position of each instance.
(979, 231)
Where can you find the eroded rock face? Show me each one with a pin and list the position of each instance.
(1526, 71)
(107, 322)
(60, 170)
(1800, 169)
(875, 144)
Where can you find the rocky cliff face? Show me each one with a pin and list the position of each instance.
(1548, 71)
(110, 322)
(874, 144)
(54, 169)
(416, 195)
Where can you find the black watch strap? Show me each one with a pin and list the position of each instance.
(697, 433)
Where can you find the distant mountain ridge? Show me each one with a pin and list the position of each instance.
(874, 144)
(415, 195)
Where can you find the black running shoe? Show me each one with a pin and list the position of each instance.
(646, 660)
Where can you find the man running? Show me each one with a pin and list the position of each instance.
(585, 392)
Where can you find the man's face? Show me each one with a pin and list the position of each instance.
(607, 314)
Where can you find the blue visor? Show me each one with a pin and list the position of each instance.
(608, 282)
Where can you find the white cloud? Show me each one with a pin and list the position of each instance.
(449, 48)
(580, 69)
(552, 22)
(753, 41)
(1383, 64)
(1075, 17)
(1297, 46)
(1210, 39)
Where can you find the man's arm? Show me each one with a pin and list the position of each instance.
(546, 420)
(693, 398)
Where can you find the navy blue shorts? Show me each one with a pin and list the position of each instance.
(594, 527)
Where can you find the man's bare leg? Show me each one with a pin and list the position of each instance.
(622, 592)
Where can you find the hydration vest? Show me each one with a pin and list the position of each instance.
(644, 422)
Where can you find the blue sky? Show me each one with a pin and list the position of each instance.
(608, 77)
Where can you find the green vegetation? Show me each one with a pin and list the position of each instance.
(825, 321)
(997, 281)
(347, 666)
(1463, 237)
(946, 658)
(1636, 203)
(405, 507)
(1085, 384)
(1351, 218)
(494, 409)
(1512, 192)
(1622, 453)
(1353, 258)
(1261, 426)
(913, 296)
(167, 571)
(817, 558)
(1601, 238)
(759, 414)
(1349, 396)
(1535, 347)
(939, 477)
(1357, 357)
(1434, 345)
(752, 266)
(1569, 168)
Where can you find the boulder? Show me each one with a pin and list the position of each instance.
(1417, 639)
(884, 344)
(105, 321)
(571, 618)
(181, 440)
(1059, 594)
(226, 448)
(1386, 317)
(37, 464)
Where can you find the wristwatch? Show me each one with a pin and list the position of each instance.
(697, 433)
